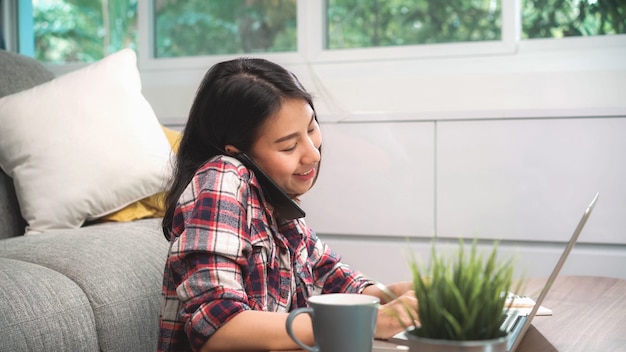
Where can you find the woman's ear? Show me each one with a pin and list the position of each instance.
(231, 149)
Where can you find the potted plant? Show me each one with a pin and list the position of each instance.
(461, 301)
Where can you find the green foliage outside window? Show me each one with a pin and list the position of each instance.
(83, 30)
(373, 23)
(559, 18)
(87, 30)
(201, 27)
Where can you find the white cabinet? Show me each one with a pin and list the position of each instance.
(525, 181)
(375, 179)
(532, 179)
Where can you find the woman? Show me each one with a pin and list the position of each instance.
(236, 266)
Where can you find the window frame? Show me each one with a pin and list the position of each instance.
(17, 28)
(511, 26)
(311, 47)
(311, 20)
(146, 44)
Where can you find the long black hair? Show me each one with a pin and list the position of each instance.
(233, 100)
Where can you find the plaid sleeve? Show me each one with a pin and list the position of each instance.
(205, 263)
(329, 273)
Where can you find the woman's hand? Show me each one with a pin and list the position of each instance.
(398, 309)
(396, 315)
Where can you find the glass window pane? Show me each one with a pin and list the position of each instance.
(572, 18)
(373, 23)
(201, 27)
(82, 30)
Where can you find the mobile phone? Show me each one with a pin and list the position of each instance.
(285, 206)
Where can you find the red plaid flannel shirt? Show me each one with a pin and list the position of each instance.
(228, 255)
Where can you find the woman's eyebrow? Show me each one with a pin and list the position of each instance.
(295, 134)
(287, 137)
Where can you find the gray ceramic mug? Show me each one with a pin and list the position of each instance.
(341, 322)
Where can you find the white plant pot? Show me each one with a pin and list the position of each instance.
(421, 344)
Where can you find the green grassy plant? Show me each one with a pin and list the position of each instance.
(462, 297)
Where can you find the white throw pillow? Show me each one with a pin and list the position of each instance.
(82, 145)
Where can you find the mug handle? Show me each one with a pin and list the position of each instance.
(290, 318)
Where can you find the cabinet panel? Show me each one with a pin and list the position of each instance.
(386, 259)
(532, 179)
(375, 179)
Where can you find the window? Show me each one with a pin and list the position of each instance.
(558, 19)
(82, 31)
(200, 27)
(360, 24)
(65, 31)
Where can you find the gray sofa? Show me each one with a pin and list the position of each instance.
(95, 288)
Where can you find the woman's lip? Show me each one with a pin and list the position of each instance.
(307, 175)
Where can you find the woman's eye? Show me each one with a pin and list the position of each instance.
(290, 149)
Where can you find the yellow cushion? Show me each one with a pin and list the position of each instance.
(152, 206)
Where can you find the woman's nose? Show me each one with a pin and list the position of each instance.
(311, 153)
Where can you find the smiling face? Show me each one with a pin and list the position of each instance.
(287, 148)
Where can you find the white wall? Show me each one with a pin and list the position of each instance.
(509, 147)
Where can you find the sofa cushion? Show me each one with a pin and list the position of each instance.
(42, 310)
(11, 221)
(82, 145)
(119, 267)
(149, 207)
(18, 73)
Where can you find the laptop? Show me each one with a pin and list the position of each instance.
(517, 322)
